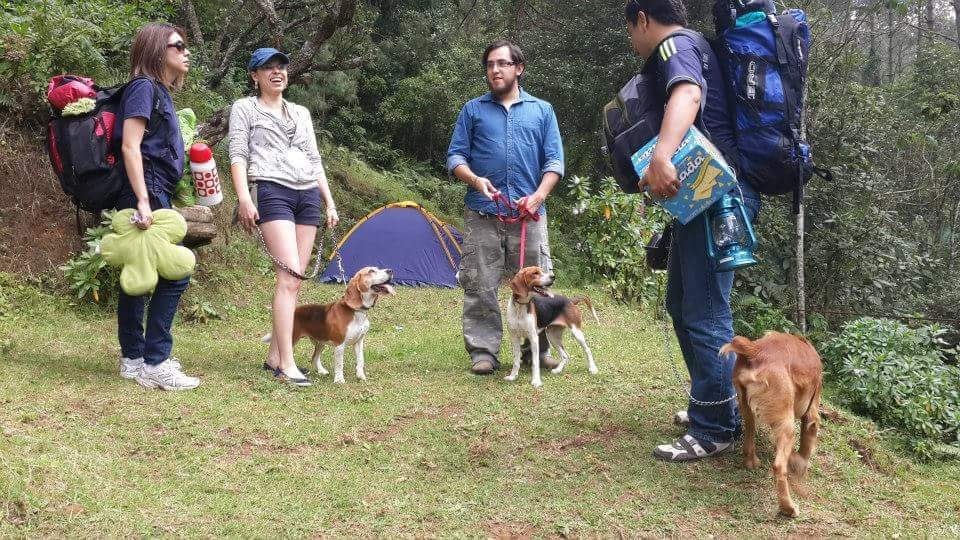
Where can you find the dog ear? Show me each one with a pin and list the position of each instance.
(519, 284)
(352, 296)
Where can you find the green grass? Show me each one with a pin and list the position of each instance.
(420, 449)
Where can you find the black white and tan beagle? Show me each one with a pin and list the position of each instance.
(531, 309)
(343, 322)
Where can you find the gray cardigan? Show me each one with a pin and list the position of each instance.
(259, 142)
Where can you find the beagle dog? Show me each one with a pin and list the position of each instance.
(532, 309)
(343, 322)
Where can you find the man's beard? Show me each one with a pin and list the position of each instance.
(507, 88)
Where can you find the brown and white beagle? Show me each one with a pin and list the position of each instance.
(343, 322)
(532, 309)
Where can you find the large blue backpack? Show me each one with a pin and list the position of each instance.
(764, 56)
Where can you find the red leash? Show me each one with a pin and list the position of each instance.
(514, 214)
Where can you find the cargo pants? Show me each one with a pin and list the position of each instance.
(491, 254)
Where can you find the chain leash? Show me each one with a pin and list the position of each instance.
(667, 353)
(316, 266)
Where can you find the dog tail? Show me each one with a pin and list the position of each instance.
(267, 337)
(740, 346)
(586, 300)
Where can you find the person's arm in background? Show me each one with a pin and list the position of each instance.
(239, 136)
(458, 156)
(314, 154)
(681, 69)
(553, 167)
(133, 130)
(681, 112)
(137, 107)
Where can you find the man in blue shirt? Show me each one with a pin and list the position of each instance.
(505, 142)
(698, 297)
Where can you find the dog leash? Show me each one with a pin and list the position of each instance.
(668, 356)
(515, 214)
(316, 266)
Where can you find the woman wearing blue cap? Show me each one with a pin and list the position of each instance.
(273, 146)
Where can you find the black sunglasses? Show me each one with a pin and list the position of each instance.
(180, 46)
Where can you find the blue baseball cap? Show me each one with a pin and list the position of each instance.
(263, 55)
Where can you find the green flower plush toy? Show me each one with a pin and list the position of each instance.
(143, 254)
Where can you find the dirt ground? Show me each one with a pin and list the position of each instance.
(38, 229)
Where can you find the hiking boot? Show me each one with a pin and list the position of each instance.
(484, 366)
(546, 360)
(166, 375)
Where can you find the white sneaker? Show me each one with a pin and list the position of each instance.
(166, 375)
(130, 367)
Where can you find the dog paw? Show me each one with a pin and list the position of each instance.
(788, 511)
(361, 376)
(510, 378)
(341, 380)
(536, 383)
(751, 462)
(556, 370)
(594, 371)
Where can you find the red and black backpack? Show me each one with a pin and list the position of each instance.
(83, 150)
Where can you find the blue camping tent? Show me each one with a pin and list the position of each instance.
(419, 247)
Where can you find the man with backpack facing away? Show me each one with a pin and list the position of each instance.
(687, 72)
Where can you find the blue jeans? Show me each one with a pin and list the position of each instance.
(698, 300)
(154, 344)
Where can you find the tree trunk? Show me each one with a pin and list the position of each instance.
(875, 65)
(956, 19)
(215, 128)
(890, 42)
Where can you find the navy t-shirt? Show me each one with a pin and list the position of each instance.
(681, 58)
(162, 146)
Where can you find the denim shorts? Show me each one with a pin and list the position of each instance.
(277, 202)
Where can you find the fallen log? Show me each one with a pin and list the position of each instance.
(201, 230)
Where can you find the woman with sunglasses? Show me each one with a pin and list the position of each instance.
(152, 152)
(273, 146)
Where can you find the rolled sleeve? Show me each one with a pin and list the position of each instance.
(458, 153)
(455, 161)
(552, 146)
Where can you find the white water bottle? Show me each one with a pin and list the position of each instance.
(206, 180)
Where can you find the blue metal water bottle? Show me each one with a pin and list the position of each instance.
(730, 238)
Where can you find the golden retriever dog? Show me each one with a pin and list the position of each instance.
(778, 380)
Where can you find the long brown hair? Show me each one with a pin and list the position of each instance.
(149, 50)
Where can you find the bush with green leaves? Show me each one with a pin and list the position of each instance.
(43, 38)
(897, 375)
(200, 312)
(611, 230)
(88, 273)
(752, 316)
